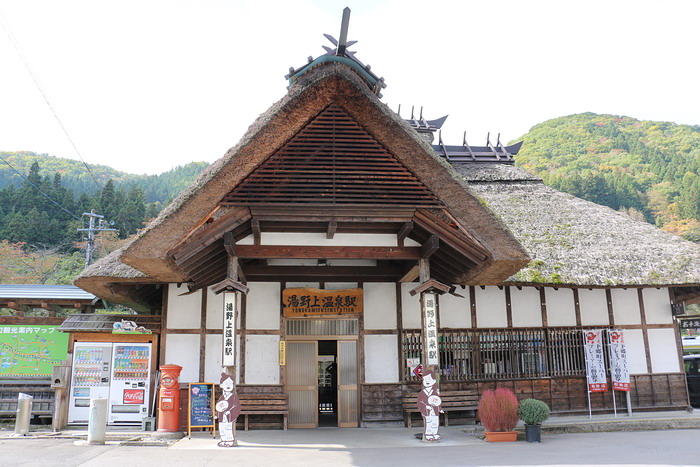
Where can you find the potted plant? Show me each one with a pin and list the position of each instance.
(498, 412)
(533, 412)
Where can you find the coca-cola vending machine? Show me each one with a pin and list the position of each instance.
(128, 395)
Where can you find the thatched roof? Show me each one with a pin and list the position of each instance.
(337, 84)
(576, 242)
(511, 213)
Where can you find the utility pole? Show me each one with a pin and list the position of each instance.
(101, 227)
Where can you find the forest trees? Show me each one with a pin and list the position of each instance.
(39, 222)
(650, 169)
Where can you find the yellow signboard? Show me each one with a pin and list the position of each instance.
(313, 302)
(283, 353)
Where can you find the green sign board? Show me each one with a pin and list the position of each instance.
(31, 350)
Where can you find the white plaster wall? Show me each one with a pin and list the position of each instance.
(339, 285)
(525, 307)
(184, 311)
(594, 307)
(636, 355)
(657, 306)
(663, 348)
(455, 312)
(380, 305)
(560, 307)
(383, 366)
(215, 310)
(212, 358)
(626, 306)
(262, 359)
(410, 242)
(183, 350)
(491, 308)
(263, 305)
(410, 306)
(319, 239)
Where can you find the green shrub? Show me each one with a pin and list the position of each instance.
(533, 411)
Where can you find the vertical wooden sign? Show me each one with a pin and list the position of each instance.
(229, 335)
(430, 329)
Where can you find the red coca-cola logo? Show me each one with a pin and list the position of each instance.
(133, 396)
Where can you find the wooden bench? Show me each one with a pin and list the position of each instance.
(264, 404)
(42, 403)
(452, 401)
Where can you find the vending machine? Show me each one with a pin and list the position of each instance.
(129, 394)
(91, 378)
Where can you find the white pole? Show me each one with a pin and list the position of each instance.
(629, 404)
(588, 376)
(24, 414)
(611, 371)
(97, 423)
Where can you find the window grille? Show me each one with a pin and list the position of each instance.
(322, 327)
(492, 354)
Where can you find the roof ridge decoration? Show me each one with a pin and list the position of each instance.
(340, 54)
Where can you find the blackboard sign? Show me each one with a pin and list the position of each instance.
(201, 407)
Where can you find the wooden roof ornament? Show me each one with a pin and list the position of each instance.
(340, 54)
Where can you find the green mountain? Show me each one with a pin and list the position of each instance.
(75, 177)
(646, 168)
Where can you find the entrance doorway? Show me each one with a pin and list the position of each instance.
(327, 383)
(322, 383)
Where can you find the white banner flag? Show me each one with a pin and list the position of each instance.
(618, 361)
(595, 362)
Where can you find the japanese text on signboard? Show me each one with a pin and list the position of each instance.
(309, 302)
(620, 374)
(689, 327)
(430, 328)
(229, 337)
(595, 362)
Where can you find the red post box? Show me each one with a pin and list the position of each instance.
(169, 399)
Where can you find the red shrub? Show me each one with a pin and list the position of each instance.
(498, 410)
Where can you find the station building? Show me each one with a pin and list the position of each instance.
(332, 209)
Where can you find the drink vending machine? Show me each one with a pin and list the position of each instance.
(113, 371)
(128, 397)
(91, 377)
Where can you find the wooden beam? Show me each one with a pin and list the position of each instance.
(328, 252)
(412, 274)
(406, 229)
(388, 272)
(210, 234)
(430, 246)
(332, 227)
(255, 225)
(230, 244)
(424, 270)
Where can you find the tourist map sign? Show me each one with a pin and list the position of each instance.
(31, 350)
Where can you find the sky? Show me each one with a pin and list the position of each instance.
(147, 85)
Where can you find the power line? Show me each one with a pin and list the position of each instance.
(46, 99)
(39, 189)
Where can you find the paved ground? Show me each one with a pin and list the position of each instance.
(380, 446)
(363, 447)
